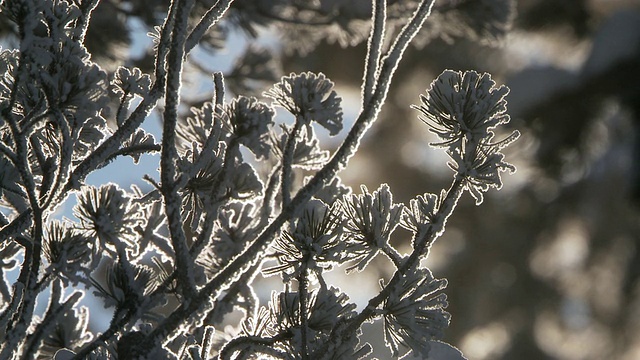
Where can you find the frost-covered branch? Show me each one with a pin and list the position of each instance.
(208, 20)
(86, 8)
(287, 162)
(374, 49)
(172, 262)
(337, 162)
(172, 200)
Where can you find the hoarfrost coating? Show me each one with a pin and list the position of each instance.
(170, 262)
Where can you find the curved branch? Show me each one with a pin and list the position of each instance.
(240, 342)
(208, 20)
(82, 24)
(133, 149)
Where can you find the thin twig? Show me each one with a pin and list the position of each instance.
(53, 313)
(374, 49)
(172, 200)
(69, 137)
(287, 161)
(118, 321)
(134, 149)
(17, 225)
(82, 24)
(302, 295)
(393, 255)
(270, 192)
(244, 341)
(208, 20)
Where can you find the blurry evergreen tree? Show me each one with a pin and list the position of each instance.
(550, 267)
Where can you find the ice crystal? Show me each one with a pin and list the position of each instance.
(307, 153)
(70, 332)
(370, 220)
(66, 249)
(333, 191)
(310, 97)
(324, 308)
(250, 120)
(93, 131)
(414, 313)
(314, 244)
(132, 82)
(8, 261)
(9, 179)
(260, 325)
(226, 217)
(482, 168)
(108, 215)
(461, 105)
(238, 224)
(201, 183)
(72, 83)
(327, 306)
(463, 110)
(197, 128)
(125, 285)
(245, 182)
(139, 142)
(420, 214)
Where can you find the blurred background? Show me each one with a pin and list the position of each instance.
(546, 268)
